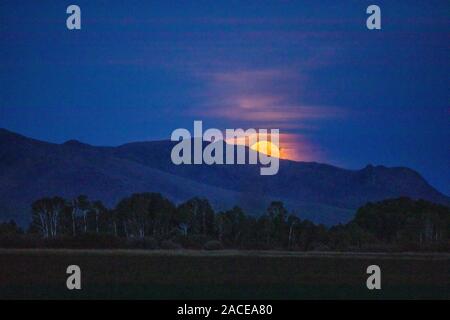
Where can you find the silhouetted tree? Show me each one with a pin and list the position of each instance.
(197, 216)
(393, 223)
(404, 221)
(80, 206)
(231, 226)
(146, 214)
(46, 215)
(10, 228)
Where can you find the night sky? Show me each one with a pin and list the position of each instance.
(137, 70)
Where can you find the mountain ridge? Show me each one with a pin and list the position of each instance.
(31, 168)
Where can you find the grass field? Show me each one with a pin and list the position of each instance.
(135, 274)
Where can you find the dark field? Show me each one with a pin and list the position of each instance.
(135, 274)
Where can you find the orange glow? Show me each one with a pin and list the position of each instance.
(267, 148)
(289, 146)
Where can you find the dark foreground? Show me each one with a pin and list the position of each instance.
(133, 274)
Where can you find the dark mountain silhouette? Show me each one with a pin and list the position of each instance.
(30, 169)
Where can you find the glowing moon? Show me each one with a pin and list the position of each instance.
(267, 148)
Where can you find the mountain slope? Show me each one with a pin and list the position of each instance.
(30, 169)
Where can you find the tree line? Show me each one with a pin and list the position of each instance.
(149, 220)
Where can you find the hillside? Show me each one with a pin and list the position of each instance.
(30, 169)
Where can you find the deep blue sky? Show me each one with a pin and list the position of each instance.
(137, 70)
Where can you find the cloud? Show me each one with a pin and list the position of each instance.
(264, 98)
(258, 96)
